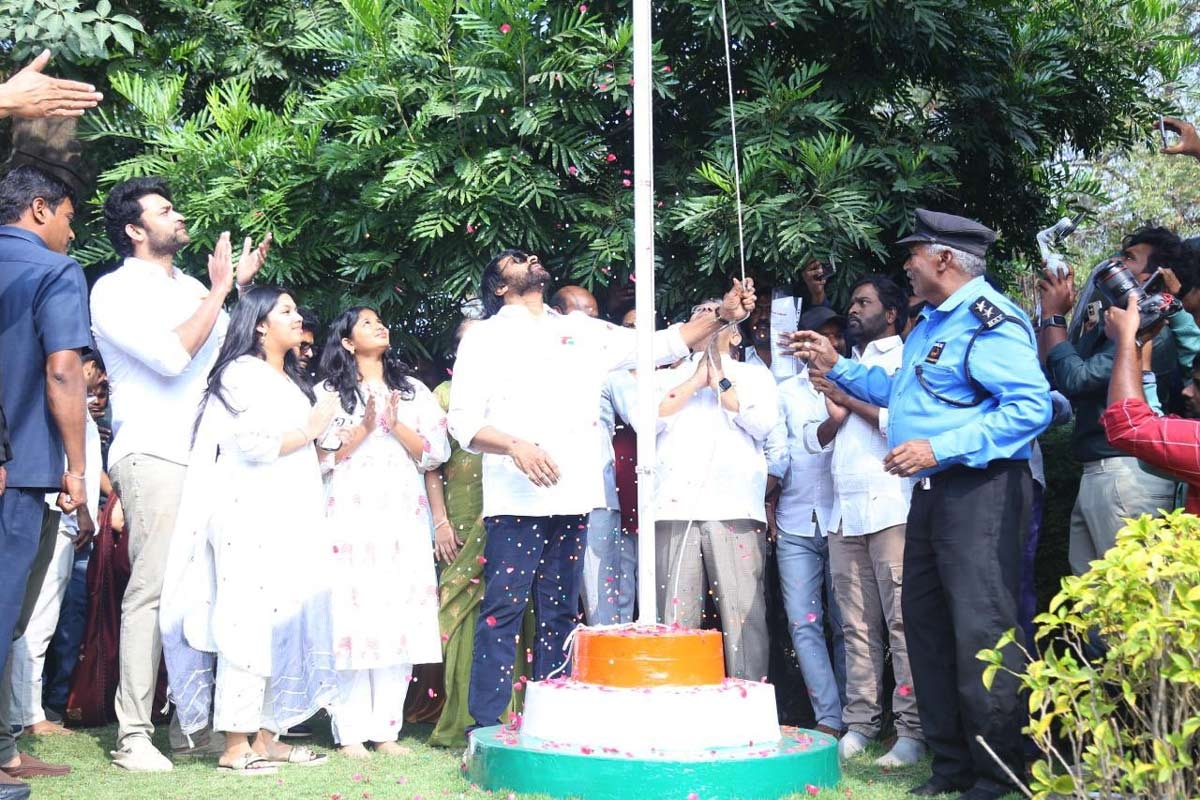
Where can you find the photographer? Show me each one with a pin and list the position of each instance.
(1114, 486)
(1168, 443)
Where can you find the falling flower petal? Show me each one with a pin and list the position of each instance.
(505, 28)
(491, 621)
(610, 158)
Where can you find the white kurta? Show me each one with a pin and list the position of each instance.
(247, 575)
(383, 581)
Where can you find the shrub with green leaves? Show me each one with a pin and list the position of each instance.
(1120, 719)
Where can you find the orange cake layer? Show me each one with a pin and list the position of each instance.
(644, 656)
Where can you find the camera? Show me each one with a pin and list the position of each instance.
(1115, 282)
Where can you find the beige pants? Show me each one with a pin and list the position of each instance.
(868, 572)
(732, 553)
(1112, 490)
(150, 489)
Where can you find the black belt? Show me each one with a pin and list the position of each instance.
(962, 471)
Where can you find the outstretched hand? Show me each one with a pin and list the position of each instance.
(1189, 139)
(252, 259)
(810, 347)
(31, 95)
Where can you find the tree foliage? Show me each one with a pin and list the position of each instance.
(393, 145)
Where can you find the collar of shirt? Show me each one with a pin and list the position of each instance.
(141, 265)
(960, 295)
(878, 346)
(21, 233)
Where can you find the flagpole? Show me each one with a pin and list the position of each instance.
(643, 239)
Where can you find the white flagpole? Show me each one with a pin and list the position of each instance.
(643, 237)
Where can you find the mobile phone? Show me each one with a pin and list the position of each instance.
(1093, 311)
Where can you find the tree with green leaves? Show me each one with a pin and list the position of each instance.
(393, 145)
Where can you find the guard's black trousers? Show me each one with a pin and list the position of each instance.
(962, 576)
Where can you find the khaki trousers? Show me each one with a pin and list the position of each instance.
(732, 553)
(1112, 490)
(150, 489)
(868, 573)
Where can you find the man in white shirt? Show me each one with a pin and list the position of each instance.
(158, 331)
(714, 416)
(802, 514)
(866, 542)
(526, 394)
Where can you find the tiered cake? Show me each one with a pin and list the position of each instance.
(651, 690)
(649, 713)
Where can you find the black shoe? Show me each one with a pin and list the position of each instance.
(935, 786)
(985, 793)
(301, 731)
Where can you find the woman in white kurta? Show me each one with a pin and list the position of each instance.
(245, 578)
(389, 431)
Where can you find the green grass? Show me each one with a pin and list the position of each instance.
(428, 773)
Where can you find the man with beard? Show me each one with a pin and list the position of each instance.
(866, 541)
(306, 353)
(158, 331)
(526, 394)
(966, 403)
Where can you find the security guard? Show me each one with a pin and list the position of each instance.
(962, 413)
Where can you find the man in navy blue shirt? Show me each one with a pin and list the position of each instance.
(964, 407)
(44, 326)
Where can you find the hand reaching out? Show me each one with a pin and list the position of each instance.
(31, 95)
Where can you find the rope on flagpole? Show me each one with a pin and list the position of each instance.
(737, 172)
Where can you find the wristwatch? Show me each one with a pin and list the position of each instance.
(725, 384)
(1056, 321)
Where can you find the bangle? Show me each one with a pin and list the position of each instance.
(445, 522)
(69, 474)
(242, 288)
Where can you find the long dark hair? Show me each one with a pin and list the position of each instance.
(493, 279)
(241, 339)
(339, 369)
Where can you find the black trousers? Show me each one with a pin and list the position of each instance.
(962, 578)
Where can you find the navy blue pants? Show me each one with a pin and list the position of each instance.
(526, 556)
(68, 637)
(21, 513)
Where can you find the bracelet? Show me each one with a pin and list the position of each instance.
(69, 474)
(242, 288)
(445, 522)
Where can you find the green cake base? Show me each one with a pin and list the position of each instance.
(501, 759)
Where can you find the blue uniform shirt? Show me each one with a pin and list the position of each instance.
(43, 309)
(1015, 405)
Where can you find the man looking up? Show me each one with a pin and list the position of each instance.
(963, 408)
(526, 394)
(158, 331)
(866, 533)
(1114, 486)
(43, 329)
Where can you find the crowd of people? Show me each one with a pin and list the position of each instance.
(284, 488)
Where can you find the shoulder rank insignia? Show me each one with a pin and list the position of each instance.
(987, 313)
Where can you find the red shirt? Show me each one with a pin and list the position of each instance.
(1168, 443)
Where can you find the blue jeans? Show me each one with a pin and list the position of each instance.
(807, 591)
(68, 637)
(524, 556)
(21, 512)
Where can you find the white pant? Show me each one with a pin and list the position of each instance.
(29, 652)
(609, 570)
(370, 704)
(239, 705)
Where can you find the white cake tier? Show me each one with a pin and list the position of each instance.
(734, 713)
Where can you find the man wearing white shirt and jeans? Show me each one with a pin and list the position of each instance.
(714, 416)
(802, 515)
(526, 394)
(866, 542)
(158, 331)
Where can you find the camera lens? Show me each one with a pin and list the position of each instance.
(1115, 282)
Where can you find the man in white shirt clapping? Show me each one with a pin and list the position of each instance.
(866, 542)
(714, 416)
(158, 331)
(526, 392)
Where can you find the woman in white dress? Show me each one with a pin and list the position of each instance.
(245, 578)
(388, 432)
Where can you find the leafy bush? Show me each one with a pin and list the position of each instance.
(1115, 699)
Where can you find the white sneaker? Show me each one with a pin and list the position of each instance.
(851, 745)
(904, 753)
(139, 755)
